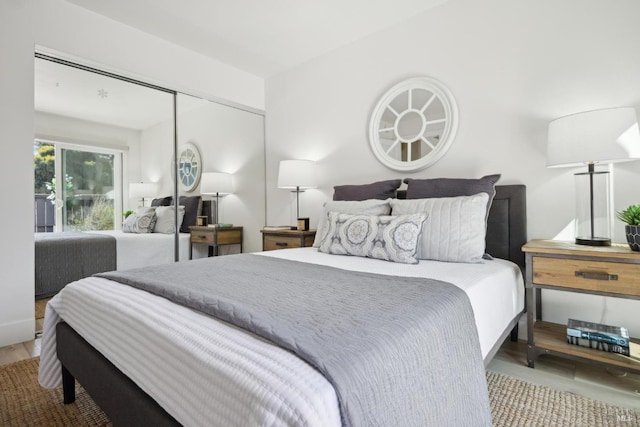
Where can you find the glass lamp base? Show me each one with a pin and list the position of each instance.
(593, 241)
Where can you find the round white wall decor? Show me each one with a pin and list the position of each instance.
(413, 124)
(189, 167)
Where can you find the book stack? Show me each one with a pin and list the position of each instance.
(278, 227)
(614, 339)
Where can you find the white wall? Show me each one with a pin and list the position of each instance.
(229, 140)
(62, 27)
(16, 129)
(512, 66)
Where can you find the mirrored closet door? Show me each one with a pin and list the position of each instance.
(106, 145)
(88, 147)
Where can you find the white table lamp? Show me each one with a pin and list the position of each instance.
(297, 175)
(600, 136)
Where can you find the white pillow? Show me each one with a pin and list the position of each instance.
(141, 221)
(164, 219)
(363, 207)
(455, 229)
(391, 238)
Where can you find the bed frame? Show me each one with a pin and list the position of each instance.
(126, 404)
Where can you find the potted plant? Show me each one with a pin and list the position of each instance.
(631, 216)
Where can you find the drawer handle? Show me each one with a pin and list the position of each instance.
(596, 276)
(282, 244)
(202, 236)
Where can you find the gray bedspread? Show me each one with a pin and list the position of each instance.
(62, 258)
(398, 351)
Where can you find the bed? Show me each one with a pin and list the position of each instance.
(142, 250)
(64, 257)
(90, 351)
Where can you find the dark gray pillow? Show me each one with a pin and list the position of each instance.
(380, 190)
(452, 187)
(163, 201)
(192, 208)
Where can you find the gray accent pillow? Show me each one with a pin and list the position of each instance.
(390, 238)
(455, 230)
(162, 201)
(164, 219)
(192, 209)
(362, 207)
(380, 190)
(141, 221)
(452, 187)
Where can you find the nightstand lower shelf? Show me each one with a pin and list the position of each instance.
(551, 338)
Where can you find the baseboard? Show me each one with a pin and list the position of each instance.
(17, 332)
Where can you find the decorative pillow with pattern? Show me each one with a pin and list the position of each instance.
(455, 230)
(143, 220)
(390, 238)
(362, 207)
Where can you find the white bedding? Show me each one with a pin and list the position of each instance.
(231, 377)
(146, 249)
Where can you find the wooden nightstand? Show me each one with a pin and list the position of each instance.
(563, 266)
(285, 239)
(215, 237)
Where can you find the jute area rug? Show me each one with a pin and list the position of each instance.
(513, 403)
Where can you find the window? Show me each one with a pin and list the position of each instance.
(77, 188)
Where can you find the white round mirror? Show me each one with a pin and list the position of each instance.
(413, 124)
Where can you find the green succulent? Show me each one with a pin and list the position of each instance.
(127, 213)
(630, 215)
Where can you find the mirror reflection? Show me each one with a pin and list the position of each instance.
(105, 170)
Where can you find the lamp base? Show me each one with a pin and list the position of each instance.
(593, 241)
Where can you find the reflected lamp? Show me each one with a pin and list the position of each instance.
(217, 184)
(142, 190)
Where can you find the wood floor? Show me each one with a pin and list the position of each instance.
(607, 385)
(611, 386)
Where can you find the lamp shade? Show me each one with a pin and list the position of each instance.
(140, 190)
(216, 183)
(297, 174)
(599, 136)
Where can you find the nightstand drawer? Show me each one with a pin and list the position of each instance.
(229, 237)
(280, 242)
(600, 276)
(201, 237)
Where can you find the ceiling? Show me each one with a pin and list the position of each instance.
(262, 37)
(71, 92)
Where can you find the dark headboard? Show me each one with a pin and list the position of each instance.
(507, 223)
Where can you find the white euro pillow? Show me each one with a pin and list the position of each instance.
(165, 219)
(455, 228)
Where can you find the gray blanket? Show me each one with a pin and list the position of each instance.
(62, 258)
(398, 351)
